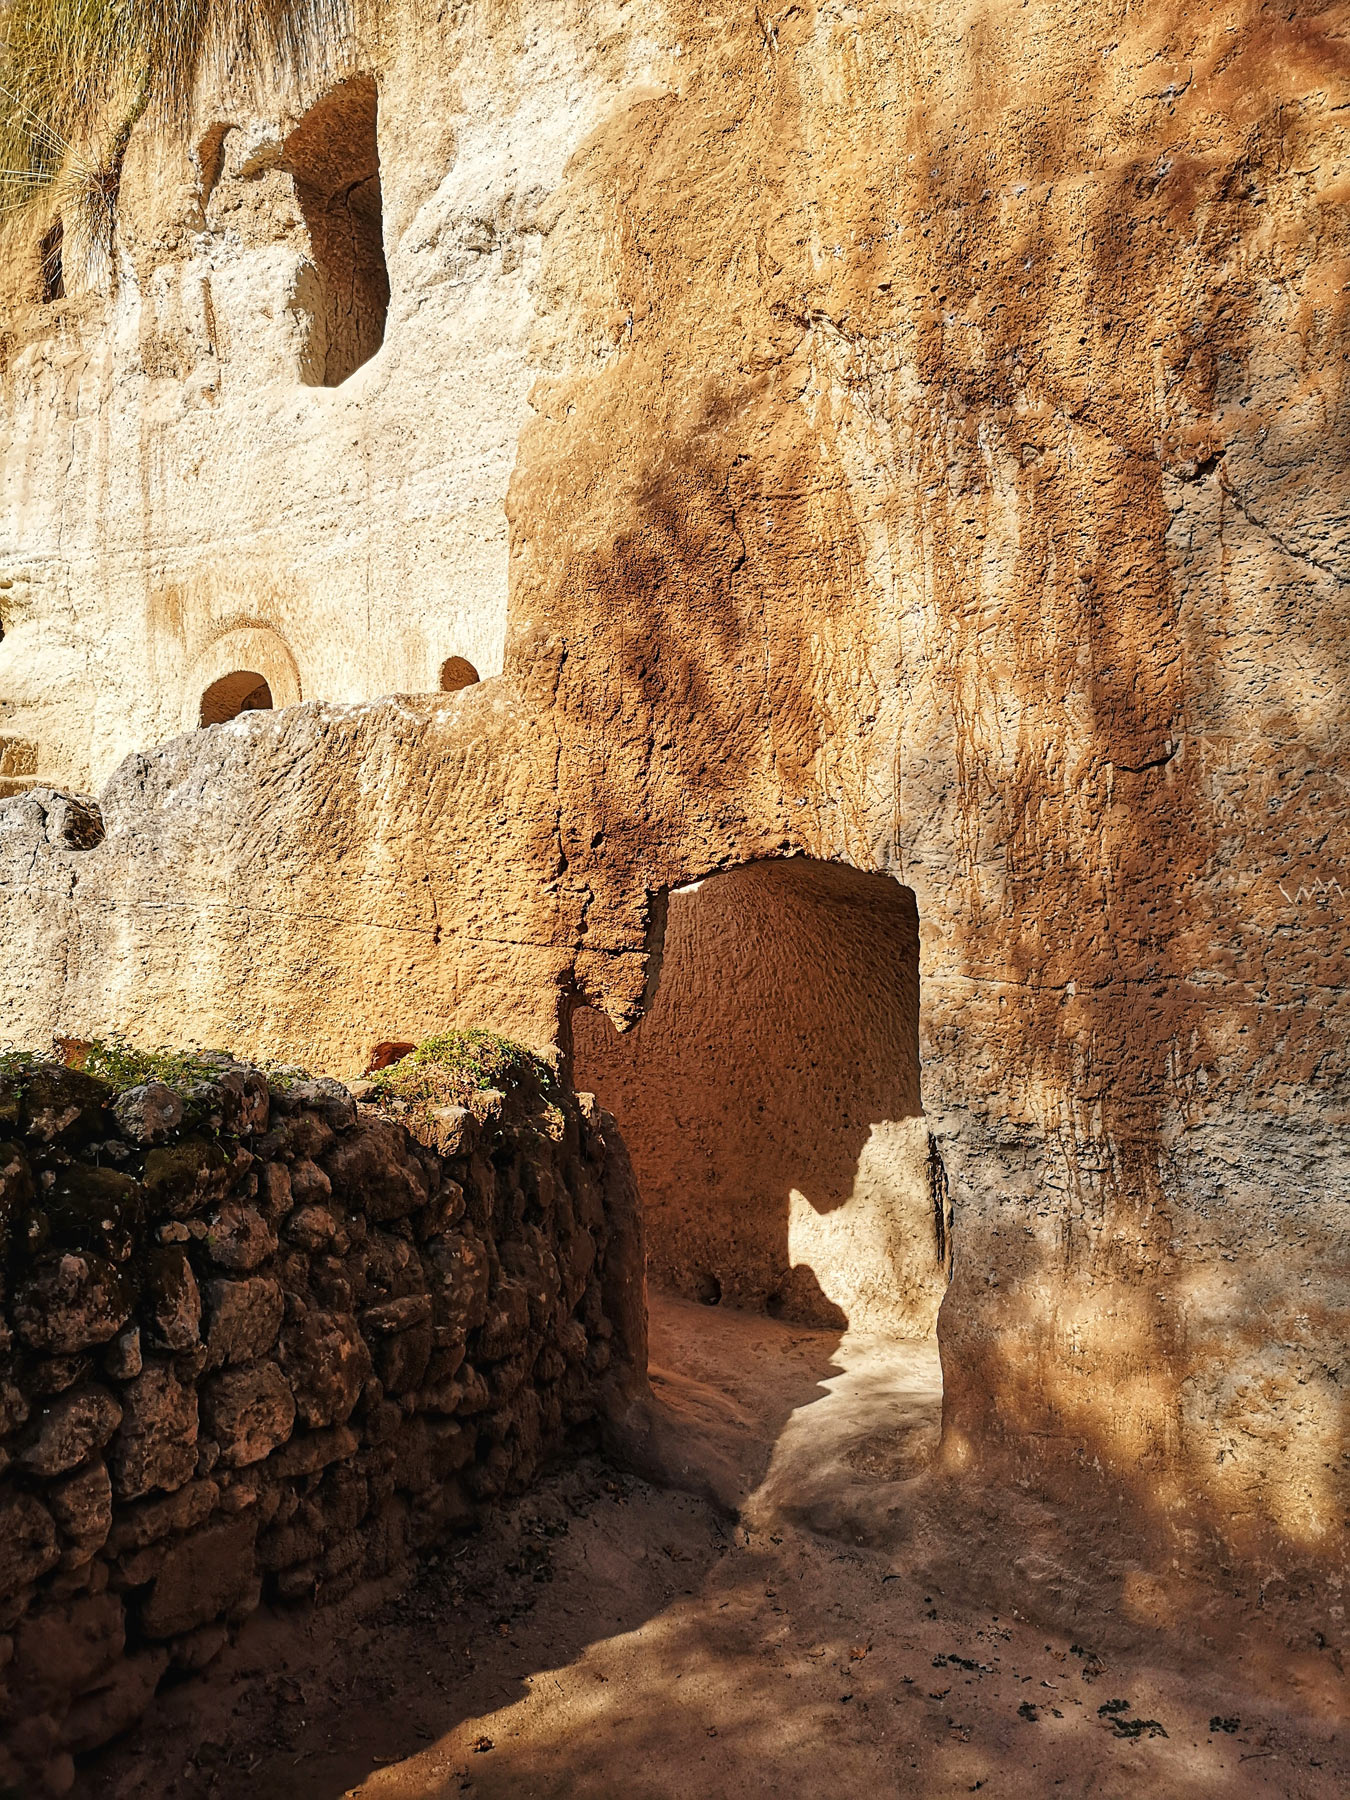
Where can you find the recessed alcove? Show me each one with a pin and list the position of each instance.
(333, 157)
(457, 672)
(770, 1099)
(52, 271)
(242, 691)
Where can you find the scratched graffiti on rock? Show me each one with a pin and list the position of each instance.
(1320, 890)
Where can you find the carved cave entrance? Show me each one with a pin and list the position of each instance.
(770, 1100)
(334, 159)
(243, 691)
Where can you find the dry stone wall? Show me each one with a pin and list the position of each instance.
(262, 1352)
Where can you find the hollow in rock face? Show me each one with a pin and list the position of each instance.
(770, 1099)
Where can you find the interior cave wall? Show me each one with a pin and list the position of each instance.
(770, 1099)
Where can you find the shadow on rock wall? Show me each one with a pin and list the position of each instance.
(1022, 409)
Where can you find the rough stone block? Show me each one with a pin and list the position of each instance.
(148, 1114)
(311, 1227)
(203, 1578)
(123, 1359)
(309, 1185)
(285, 1546)
(180, 1179)
(63, 1106)
(327, 1363)
(374, 1170)
(156, 1446)
(274, 1190)
(28, 1546)
(249, 1411)
(461, 1294)
(155, 1519)
(69, 1430)
(82, 1507)
(243, 1319)
(173, 1300)
(16, 1192)
(328, 1098)
(238, 1238)
(313, 1451)
(71, 1302)
(507, 1323)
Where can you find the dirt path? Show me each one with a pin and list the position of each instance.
(605, 1638)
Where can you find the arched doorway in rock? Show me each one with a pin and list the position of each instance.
(457, 672)
(245, 666)
(242, 691)
(770, 1099)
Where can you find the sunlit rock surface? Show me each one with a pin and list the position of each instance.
(925, 438)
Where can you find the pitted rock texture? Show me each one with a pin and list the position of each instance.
(927, 427)
(190, 1429)
(770, 1101)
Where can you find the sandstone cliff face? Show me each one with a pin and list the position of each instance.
(934, 463)
(280, 436)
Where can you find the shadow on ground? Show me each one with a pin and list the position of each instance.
(607, 1637)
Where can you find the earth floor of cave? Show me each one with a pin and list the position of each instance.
(606, 1637)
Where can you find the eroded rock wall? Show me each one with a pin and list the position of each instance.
(198, 474)
(934, 464)
(264, 1352)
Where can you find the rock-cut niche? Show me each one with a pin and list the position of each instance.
(457, 672)
(243, 691)
(334, 159)
(52, 271)
(770, 1099)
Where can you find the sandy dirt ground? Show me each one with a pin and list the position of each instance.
(605, 1637)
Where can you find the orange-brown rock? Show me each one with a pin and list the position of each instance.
(933, 463)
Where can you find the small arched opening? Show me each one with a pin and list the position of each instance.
(457, 672)
(243, 691)
(52, 269)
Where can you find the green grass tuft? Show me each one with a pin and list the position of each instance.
(123, 1065)
(448, 1070)
(16, 1064)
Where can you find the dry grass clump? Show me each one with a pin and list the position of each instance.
(77, 75)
